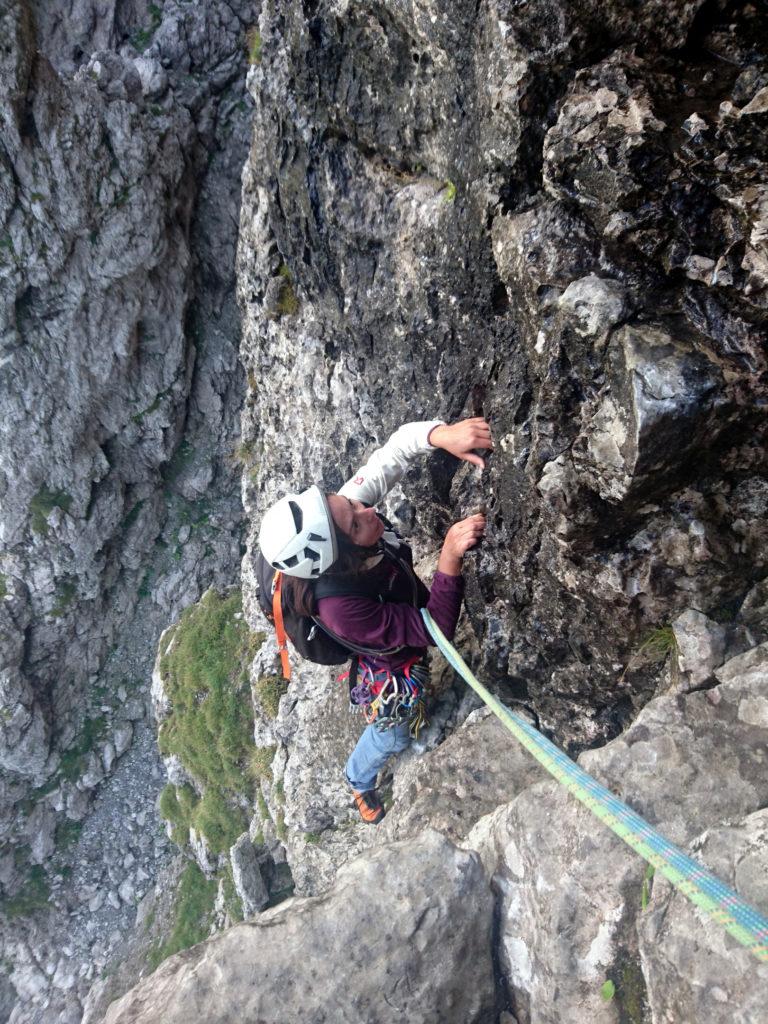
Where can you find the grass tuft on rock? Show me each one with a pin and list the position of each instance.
(269, 690)
(260, 763)
(176, 805)
(192, 916)
(232, 902)
(203, 670)
(41, 506)
(219, 820)
(287, 301)
(253, 45)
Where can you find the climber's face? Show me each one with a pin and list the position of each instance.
(360, 524)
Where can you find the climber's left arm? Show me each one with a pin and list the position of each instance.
(387, 464)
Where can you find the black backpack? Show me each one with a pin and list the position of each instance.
(314, 640)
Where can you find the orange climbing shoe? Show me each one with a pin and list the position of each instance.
(370, 807)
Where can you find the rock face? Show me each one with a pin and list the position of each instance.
(124, 129)
(571, 894)
(552, 218)
(504, 210)
(553, 215)
(328, 958)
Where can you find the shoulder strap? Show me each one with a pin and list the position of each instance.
(277, 612)
(357, 586)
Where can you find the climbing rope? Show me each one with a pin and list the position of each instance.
(704, 889)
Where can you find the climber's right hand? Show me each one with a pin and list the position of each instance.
(460, 538)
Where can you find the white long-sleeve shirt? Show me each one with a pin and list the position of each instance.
(387, 464)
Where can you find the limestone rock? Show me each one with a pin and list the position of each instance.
(700, 646)
(249, 884)
(710, 978)
(476, 769)
(297, 961)
(595, 304)
(572, 891)
(658, 406)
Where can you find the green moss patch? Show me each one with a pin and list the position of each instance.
(203, 669)
(193, 914)
(66, 591)
(287, 300)
(67, 834)
(269, 690)
(41, 506)
(210, 728)
(33, 896)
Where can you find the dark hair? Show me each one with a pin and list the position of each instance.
(349, 562)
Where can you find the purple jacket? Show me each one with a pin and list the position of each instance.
(369, 623)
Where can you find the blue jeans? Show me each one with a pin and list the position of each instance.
(373, 750)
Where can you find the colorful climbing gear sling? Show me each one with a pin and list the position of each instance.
(389, 698)
(704, 889)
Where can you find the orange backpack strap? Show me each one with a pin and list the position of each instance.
(277, 612)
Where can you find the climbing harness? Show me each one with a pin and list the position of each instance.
(704, 889)
(387, 698)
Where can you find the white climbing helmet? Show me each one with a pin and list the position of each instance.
(297, 534)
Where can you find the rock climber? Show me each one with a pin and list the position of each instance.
(314, 538)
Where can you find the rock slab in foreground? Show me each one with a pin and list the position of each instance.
(405, 935)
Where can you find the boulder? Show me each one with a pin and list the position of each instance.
(573, 895)
(405, 935)
(478, 767)
(249, 885)
(700, 647)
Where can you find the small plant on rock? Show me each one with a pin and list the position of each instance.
(449, 192)
(658, 645)
(287, 301)
(269, 690)
(41, 506)
(253, 45)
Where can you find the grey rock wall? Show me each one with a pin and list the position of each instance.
(124, 129)
(552, 218)
(328, 958)
(548, 215)
(511, 211)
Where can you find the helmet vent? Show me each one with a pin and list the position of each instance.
(289, 563)
(314, 555)
(315, 536)
(298, 516)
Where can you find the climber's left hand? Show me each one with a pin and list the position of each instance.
(461, 438)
